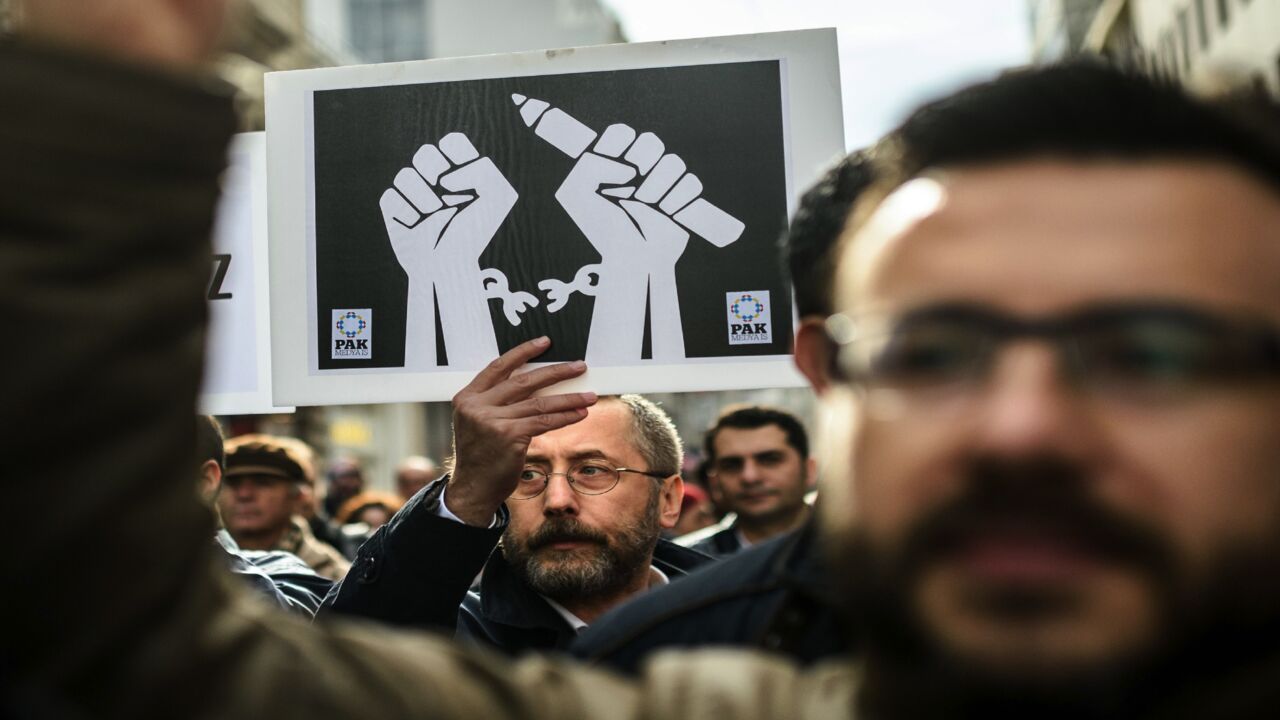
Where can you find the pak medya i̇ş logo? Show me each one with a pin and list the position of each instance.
(750, 321)
(352, 334)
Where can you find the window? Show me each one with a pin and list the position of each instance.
(388, 30)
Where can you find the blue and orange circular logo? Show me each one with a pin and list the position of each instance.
(746, 308)
(351, 324)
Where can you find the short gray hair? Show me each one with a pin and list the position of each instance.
(655, 435)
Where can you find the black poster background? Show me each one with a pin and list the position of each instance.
(724, 121)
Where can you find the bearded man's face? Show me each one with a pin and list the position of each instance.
(578, 547)
(1056, 443)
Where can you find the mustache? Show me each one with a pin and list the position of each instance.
(1040, 497)
(756, 492)
(564, 529)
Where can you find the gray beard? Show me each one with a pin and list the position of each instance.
(590, 574)
(598, 571)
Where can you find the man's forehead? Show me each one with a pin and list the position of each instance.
(1042, 235)
(732, 440)
(605, 431)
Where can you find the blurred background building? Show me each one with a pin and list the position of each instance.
(1210, 45)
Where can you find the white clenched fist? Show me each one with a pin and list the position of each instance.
(442, 210)
(623, 193)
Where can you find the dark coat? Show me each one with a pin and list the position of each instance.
(416, 571)
(719, 544)
(280, 577)
(773, 596)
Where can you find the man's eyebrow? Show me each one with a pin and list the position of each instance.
(740, 456)
(573, 457)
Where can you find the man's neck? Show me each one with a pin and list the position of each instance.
(760, 529)
(263, 540)
(590, 609)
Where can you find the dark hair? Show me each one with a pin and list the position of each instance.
(819, 220)
(209, 441)
(751, 417)
(1082, 109)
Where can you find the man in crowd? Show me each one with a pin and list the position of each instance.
(259, 503)
(777, 595)
(577, 518)
(696, 511)
(344, 480)
(414, 473)
(760, 470)
(281, 577)
(1073, 542)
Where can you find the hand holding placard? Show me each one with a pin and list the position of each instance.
(495, 418)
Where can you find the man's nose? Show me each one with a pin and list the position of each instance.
(559, 498)
(750, 471)
(1029, 407)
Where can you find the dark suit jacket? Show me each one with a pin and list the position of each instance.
(418, 568)
(774, 596)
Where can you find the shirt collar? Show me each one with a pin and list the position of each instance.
(574, 621)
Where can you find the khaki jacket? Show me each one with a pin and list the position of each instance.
(108, 182)
(319, 555)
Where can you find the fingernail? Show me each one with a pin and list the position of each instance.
(589, 397)
(542, 341)
(577, 365)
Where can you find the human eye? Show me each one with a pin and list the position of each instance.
(593, 477)
(591, 470)
(531, 475)
(928, 352)
(771, 458)
(1153, 352)
(729, 465)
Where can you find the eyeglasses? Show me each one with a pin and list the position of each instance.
(1147, 351)
(733, 465)
(587, 478)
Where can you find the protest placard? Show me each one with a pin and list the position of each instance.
(237, 379)
(625, 200)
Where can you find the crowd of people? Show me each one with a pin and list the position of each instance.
(1041, 319)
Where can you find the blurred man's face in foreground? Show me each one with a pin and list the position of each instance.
(1055, 420)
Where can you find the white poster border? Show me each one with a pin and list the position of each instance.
(253, 145)
(813, 133)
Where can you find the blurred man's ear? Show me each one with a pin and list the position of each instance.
(300, 498)
(210, 481)
(813, 352)
(716, 493)
(811, 473)
(671, 496)
(306, 500)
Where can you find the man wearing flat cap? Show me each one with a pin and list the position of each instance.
(259, 501)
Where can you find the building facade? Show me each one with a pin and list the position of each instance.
(1208, 45)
